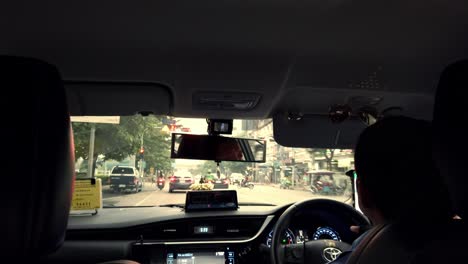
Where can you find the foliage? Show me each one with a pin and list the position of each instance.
(119, 141)
(110, 141)
(104, 179)
(327, 153)
(205, 168)
(237, 167)
(225, 167)
(157, 144)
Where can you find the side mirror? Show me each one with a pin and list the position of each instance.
(353, 175)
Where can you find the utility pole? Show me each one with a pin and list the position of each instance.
(141, 159)
(293, 166)
(293, 175)
(92, 136)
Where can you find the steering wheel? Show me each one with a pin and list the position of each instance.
(314, 251)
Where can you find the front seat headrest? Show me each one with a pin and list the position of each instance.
(450, 132)
(37, 170)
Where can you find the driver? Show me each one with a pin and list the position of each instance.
(397, 180)
(229, 149)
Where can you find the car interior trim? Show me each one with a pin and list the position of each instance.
(267, 221)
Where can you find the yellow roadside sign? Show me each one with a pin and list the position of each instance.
(87, 194)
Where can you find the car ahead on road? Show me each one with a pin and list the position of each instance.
(236, 178)
(221, 183)
(125, 178)
(180, 183)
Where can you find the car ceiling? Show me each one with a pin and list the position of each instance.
(296, 55)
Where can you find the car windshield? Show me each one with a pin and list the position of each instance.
(119, 145)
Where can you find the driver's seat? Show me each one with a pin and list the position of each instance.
(421, 242)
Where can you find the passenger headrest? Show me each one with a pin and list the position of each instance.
(38, 166)
(451, 132)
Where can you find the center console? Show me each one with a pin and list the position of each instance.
(220, 255)
(220, 240)
(187, 254)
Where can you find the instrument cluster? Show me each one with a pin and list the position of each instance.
(301, 235)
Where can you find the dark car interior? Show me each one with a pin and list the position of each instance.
(291, 61)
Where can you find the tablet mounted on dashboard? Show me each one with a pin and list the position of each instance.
(211, 200)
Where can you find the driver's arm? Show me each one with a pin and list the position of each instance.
(343, 258)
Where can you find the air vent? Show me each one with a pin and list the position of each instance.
(183, 230)
(225, 101)
(223, 228)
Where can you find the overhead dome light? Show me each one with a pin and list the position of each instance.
(225, 101)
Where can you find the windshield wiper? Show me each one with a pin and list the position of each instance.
(240, 204)
(127, 206)
(173, 205)
(256, 204)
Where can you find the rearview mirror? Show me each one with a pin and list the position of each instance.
(217, 148)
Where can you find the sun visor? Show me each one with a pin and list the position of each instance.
(117, 98)
(316, 132)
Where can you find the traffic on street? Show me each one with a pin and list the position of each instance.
(153, 161)
(152, 196)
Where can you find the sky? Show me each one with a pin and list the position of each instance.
(196, 125)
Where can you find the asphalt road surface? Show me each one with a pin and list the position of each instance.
(151, 196)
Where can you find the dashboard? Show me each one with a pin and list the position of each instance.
(172, 236)
(301, 236)
(315, 224)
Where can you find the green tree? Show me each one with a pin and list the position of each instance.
(147, 131)
(225, 167)
(205, 167)
(238, 167)
(109, 142)
(328, 154)
(118, 141)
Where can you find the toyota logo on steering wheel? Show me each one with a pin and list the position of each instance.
(330, 254)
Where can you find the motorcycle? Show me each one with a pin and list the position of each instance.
(323, 188)
(341, 188)
(327, 188)
(160, 183)
(246, 185)
(285, 185)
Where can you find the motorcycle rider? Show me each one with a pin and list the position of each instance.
(161, 179)
(202, 180)
(245, 180)
(285, 183)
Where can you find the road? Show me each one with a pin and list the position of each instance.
(151, 196)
